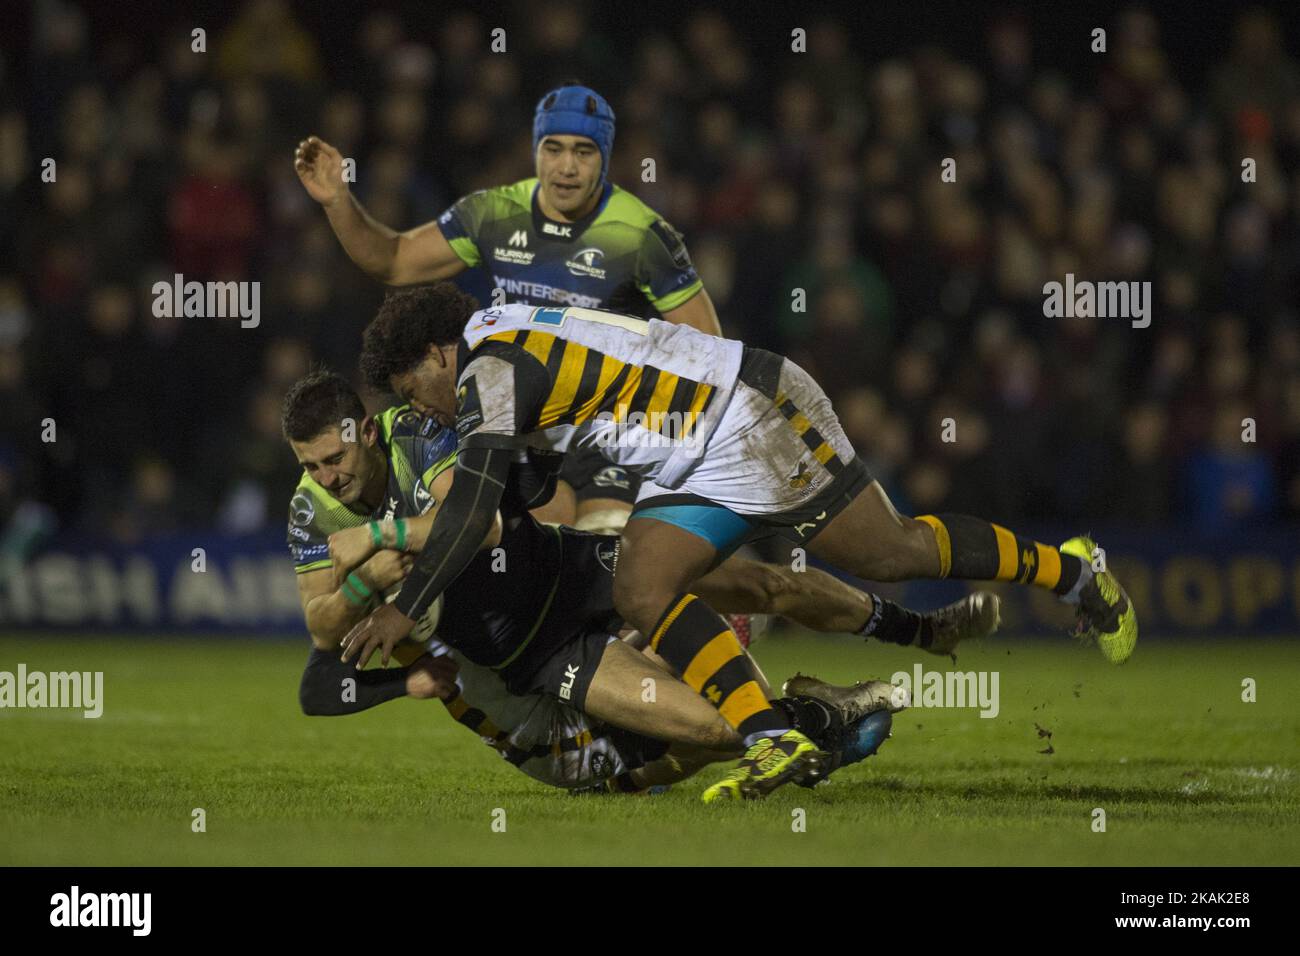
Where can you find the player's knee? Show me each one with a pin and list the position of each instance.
(767, 587)
(921, 551)
(717, 736)
(903, 554)
(638, 605)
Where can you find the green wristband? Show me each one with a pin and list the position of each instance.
(401, 534)
(359, 585)
(352, 597)
(376, 535)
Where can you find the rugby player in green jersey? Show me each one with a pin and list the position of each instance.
(369, 493)
(567, 236)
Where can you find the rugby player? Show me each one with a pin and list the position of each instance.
(566, 236)
(732, 443)
(559, 745)
(399, 465)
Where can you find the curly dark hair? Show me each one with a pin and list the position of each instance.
(408, 322)
(317, 401)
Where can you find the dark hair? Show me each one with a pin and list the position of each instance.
(317, 401)
(409, 321)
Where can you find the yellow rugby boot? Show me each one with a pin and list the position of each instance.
(1106, 614)
(766, 765)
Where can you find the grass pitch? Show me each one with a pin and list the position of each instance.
(1186, 772)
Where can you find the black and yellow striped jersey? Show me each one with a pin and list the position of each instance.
(649, 394)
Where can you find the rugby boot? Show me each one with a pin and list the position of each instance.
(851, 703)
(1105, 613)
(852, 744)
(769, 763)
(975, 615)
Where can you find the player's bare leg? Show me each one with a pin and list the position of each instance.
(610, 516)
(561, 509)
(657, 564)
(873, 541)
(822, 602)
(870, 540)
(631, 691)
(602, 515)
(813, 598)
(677, 765)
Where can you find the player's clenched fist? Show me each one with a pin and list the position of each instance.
(348, 548)
(320, 167)
(386, 569)
(431, 676)
(379, 631)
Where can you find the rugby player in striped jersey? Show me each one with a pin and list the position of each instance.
(566, 236)
(525, 619)
(731, 442)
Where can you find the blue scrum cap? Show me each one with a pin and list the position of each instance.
(576, 111)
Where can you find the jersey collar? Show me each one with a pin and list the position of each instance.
(556, 231)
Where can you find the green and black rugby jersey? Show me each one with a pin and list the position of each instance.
(418, 451)
(621, 253)
(521, 590)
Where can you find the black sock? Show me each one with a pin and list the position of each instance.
(896, 624)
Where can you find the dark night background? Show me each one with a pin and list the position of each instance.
(817, 171)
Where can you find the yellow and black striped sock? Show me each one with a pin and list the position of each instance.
(977, 550)
(700, 647)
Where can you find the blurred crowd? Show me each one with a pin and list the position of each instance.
(817, 172)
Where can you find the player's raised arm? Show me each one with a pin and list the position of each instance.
(418, 255)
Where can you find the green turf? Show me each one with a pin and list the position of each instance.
(1186, 772)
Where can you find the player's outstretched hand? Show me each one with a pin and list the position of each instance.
(320, 167)
(430, 676)
(348, 549)
(379, 631)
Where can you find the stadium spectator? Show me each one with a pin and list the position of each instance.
(820, 172)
